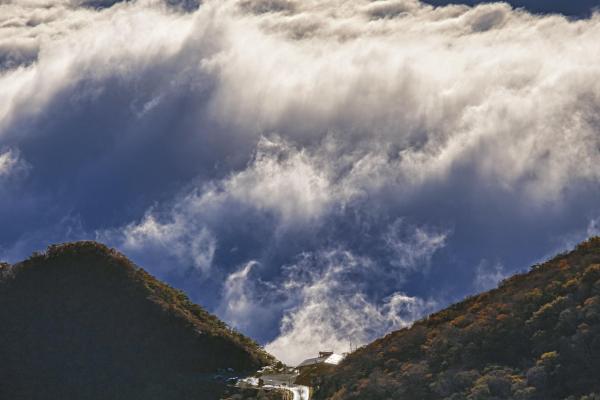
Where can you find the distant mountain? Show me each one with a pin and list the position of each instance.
(536, 337)
(82, 322)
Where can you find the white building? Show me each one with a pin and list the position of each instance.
(325, 357)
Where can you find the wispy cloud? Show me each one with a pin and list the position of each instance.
(333, 310)
(488, 275)
(12, 165)
(413, 246)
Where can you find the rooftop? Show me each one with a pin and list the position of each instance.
(325, 358)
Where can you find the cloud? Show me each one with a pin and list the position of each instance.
(11, 164)
(249, 301)
(442, 124)
(189, 243)
(489, 275)
(391, 8)
(593, 228)
(333, 312)
(7, 161)
(284, 181)
(294, 160)
(413, 246)
(238, 306)
(280, 185)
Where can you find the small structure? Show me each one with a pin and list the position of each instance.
(325, 357)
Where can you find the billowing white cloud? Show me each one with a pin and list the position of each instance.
(283, 181)
(512, 98)
(494, 104)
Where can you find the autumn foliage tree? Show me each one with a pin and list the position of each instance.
(535, 337)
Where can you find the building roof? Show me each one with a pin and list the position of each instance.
(311, 361)
(333, 359)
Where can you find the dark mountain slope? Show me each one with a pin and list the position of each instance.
(535, 337)
(82, 322)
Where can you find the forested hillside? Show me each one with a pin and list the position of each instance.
(82, 322)
(536, 337)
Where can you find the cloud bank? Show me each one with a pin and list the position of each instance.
(316, 172)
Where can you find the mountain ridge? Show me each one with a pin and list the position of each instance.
(82, 321)
(535, 337)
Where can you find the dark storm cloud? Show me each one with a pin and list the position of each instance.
(289, 163)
